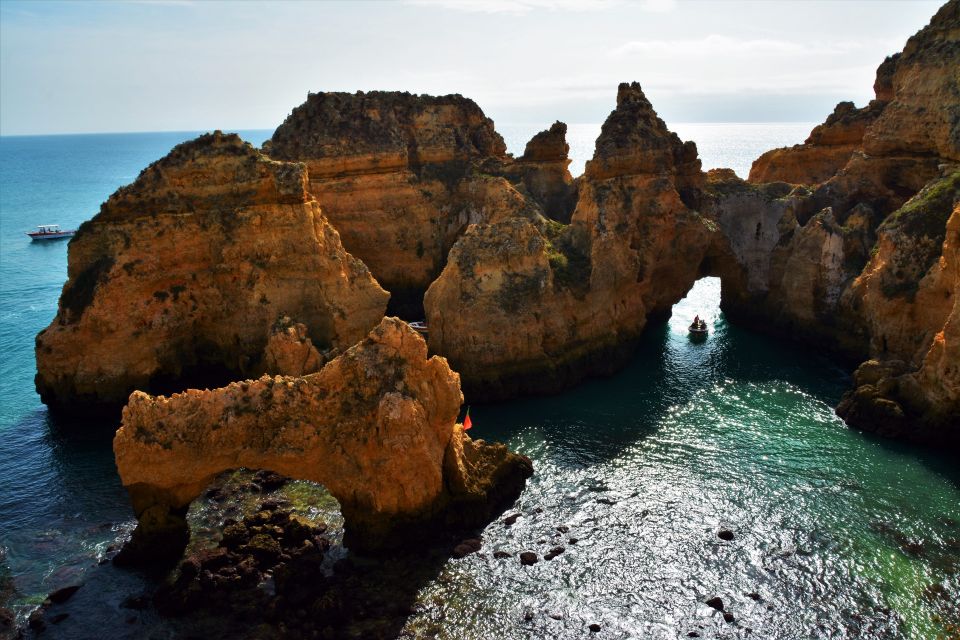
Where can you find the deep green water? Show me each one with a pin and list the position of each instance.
(838, 534)
(646, 467)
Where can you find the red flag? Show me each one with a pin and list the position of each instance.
(467, 422)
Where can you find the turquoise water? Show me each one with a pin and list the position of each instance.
(837, 534)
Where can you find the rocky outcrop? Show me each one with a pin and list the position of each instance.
(908, 295)
(916, 113)
(793, 267)
(527, 306)
(376, 426)
(187, 269)
(400, 177)
(861, 267)
(544, 172)
(827, 150)
(290, 351)
(923, 119)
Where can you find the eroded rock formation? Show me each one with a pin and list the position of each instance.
(189, 267)
(916, 115)
(400, 177)
(826, 151)
(909, 296)
(531, 305)
(376, 426)
(856, 264)
(535, 280)
(544, 171)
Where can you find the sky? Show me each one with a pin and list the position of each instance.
(186, 65)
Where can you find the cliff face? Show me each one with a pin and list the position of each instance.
(544, 172)
(924, 116)
(376, 426)
(189, 267)
(908, 295)
(534, 305)
(826, 151)
(399, 176)
(859, 264)
(916, 113)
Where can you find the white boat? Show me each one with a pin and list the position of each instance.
(420, 326)
(50, 232)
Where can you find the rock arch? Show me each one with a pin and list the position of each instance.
(376, 426)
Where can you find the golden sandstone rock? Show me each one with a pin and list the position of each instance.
(189, 267)
(376, 426)
(397, 176)
(849, 242)
(532, 305)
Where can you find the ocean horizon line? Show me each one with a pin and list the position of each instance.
(508, 124)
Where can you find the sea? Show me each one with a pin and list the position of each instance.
(835, 534)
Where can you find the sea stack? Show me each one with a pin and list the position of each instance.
(182, 275)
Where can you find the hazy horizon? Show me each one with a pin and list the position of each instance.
(185, 66)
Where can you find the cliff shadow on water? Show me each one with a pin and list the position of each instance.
(666, 370)
(602, 418)
(265, 559)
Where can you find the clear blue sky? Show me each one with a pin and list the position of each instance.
(188, 65)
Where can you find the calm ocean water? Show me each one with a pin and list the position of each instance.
(837, 534)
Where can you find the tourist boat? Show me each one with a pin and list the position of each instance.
(50, 232)
(698, 328)
(420, 326)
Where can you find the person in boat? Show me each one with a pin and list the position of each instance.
(696, 320)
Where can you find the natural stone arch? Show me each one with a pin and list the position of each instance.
(376, 426)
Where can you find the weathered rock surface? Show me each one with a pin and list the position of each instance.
(910, 296)
(857, 267)
(544, 171)
(290, 352)
(399, 177)
(826, 151)
(189, 267)
(923, 119)
(916, 113)
(375, 426)
(533, 305)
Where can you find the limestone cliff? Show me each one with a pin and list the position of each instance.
(923, 119)
(916, 114)
(376, 426)
(187, 269)
(824, 153)
(858, 265)
(400, 177)
(544, 172)
(908, 295)
(533, 305)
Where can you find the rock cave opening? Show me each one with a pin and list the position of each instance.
(406, 303)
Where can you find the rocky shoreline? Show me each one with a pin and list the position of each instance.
(274, 275)
(530, 280)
